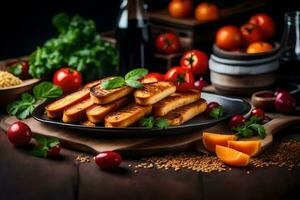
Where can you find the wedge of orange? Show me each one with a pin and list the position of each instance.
(210, 140)
(248, 147)
(232, 157)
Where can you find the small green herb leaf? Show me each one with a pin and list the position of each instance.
(216, 113)
(113, 83)
(46, 90)
(259, 129)
(147, 122)
(136, 74)
(44, 144)
(22, 108)
(16, 69)
(134, 84)
(162, 123)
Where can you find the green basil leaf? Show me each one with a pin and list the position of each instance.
(162, 123)
(147, 122)
(259, 129)
(25, 97)
(113, 83)
(16, 69)
(136, 74)
(217, 113)
(41, 140)
(134, 84)
(52, 142)
(39, 151)
(20, 109)
(46, 90)
(245, 132)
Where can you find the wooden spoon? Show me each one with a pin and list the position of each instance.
(274, 126)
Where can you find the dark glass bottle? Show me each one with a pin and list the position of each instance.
(133, 36)
(290, 49)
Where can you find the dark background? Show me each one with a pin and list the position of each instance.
(27, 24)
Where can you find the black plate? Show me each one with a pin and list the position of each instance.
(232, 106)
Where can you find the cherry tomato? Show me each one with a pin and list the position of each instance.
(19, 134)
(237, 120)
(196, 60)
(206, 12)
(214, 110)
(167, 43)
(258, 113)
(54, 151)
(108, 160)
(251, 33)
(229, 38)
(211, 106)
(200, 84)
(68, 79)
(259, 47)
(266, 23)
(153, 77)
(285, 102)
(180, 8)
(182, 76)
(19, 68)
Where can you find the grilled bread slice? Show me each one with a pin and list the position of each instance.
(87, 123)
(153, 92)
(76, 112)
(101, 96)
(55, 109)
(96, 113)
(185, 113)
(127, 115)
(174, 101)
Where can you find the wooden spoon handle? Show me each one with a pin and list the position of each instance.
(275, 125)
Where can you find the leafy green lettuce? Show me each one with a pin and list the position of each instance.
(78, 45)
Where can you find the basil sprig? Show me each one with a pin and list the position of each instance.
(24, 107)
(131, 79)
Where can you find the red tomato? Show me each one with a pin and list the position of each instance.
(167, 43)
(266, 23)
(251, 33)
(196, 60)
(68, 79)
(19, 134)
(206, 12)
(54, 151)
(182, 76)
(108, 160)
(258, 113)
(200, 84)
(153, 77)
(180, 8)
(237, 120)
(229, 38)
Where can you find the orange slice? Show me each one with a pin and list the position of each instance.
(248, 147)
(210, 140)
(232, 157)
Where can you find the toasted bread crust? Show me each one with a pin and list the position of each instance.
(185, 113)
(127, 115)
(101, 96)
(76, 112)
(56, 108)
(87, 123)
(153, 92)
(96, 113)
(174, 101)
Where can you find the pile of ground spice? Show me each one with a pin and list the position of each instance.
(281, 154)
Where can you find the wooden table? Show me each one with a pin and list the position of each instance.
(26, 177)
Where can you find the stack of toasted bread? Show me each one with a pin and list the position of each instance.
(124, 106)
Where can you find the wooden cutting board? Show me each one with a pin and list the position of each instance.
(91, 143)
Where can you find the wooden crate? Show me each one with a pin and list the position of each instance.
(193, 33)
